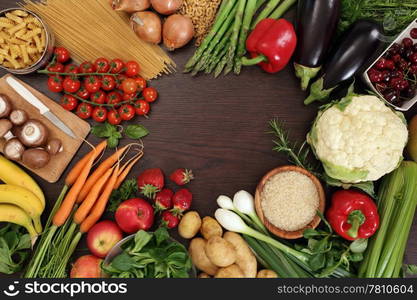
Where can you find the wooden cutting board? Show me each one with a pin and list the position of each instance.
(54, 169)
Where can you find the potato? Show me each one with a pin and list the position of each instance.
(199, 257)
(203, 275)
(220, 252)
(232, 271)
(266, 274)
(244, 255)
(189, 225)
(210, 227)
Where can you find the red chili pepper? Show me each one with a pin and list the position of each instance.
(353, 215)
(271, 45)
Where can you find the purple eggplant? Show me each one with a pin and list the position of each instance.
(316, 25)
(355, 49)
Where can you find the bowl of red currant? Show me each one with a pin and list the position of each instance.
(393, 75)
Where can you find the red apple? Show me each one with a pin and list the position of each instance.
(87, 266)
(102, 237)
(134, 214)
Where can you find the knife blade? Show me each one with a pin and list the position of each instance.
(43, 109)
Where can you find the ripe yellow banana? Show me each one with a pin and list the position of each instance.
(13, 214)
(12, 174)
(25, 199)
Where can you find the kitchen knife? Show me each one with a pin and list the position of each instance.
(43, 109)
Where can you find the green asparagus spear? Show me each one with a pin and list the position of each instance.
(282, 8)
(269, 8)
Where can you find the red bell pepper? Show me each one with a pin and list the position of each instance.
(353, 215)
(271, 45)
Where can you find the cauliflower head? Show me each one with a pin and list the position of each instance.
(358, 139)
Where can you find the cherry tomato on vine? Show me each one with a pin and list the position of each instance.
(71, 85)
(62, 54)
(98, 97)
(108, 83)
(116, 65)
(142, 107)
(55, 84)
(99, 114)
(119, 80)
(84, 110)
(92, 84)
(127, 112)
(127, 97)
(87, 67)
(83, 93)
(56, 67)
(132, 69)
(102, 65)
(150, 94)
(69, 102)
(129, 86)
(71, 68)
(141, 83)
(113, 98)
(114, 118)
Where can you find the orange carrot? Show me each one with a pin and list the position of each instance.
(91, 198)
(101, 169)
(125, 170)
(65, 209)
(76, 170)
(100, 205)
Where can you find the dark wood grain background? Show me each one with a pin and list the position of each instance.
(216, 127)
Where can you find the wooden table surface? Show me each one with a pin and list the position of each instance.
(216, 127)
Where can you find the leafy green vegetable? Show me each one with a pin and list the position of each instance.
(14, 245)
(127, 190)
(114, 133)
(411, 269)
(151, 255)
(136, 131)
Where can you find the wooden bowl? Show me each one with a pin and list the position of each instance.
(272, 228)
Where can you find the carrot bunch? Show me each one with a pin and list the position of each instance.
(80, 205)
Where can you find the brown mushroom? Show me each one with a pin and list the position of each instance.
(35, 158)
(5, 106)
(33, 133)
(54, 146)
(5, 127)
(18, 117)
(14, 149)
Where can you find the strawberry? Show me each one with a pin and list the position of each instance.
(163, 200)
(182, 201)
(169, 219)
(150, 182)
(181, 176)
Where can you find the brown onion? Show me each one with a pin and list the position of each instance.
(166, 7)
(177, 32)
(130, 6)
(147, 26)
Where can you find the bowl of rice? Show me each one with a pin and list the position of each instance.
(287, 200)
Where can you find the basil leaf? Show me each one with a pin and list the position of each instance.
(104, 130)
(136, 131)
(112, 142)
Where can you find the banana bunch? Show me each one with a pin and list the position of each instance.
(21, 199)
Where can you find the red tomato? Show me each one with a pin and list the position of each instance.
(113, 97)
(100, 114)
(87, 67)
(84, 110)
(71, 85)
(83, 93)
(127, 112)
(142, 107)
(69, 102)
(127, 97)
(71, 68)
(98, 97)
(114, 118)
(108, 83)
(116, 66)
(56, 67)
(92, 84)
(62, 54)
(102, 65)
(141, 82)
(129, 86)
(150, 94)
(132, 69)
(119, 80)
(55, 84)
